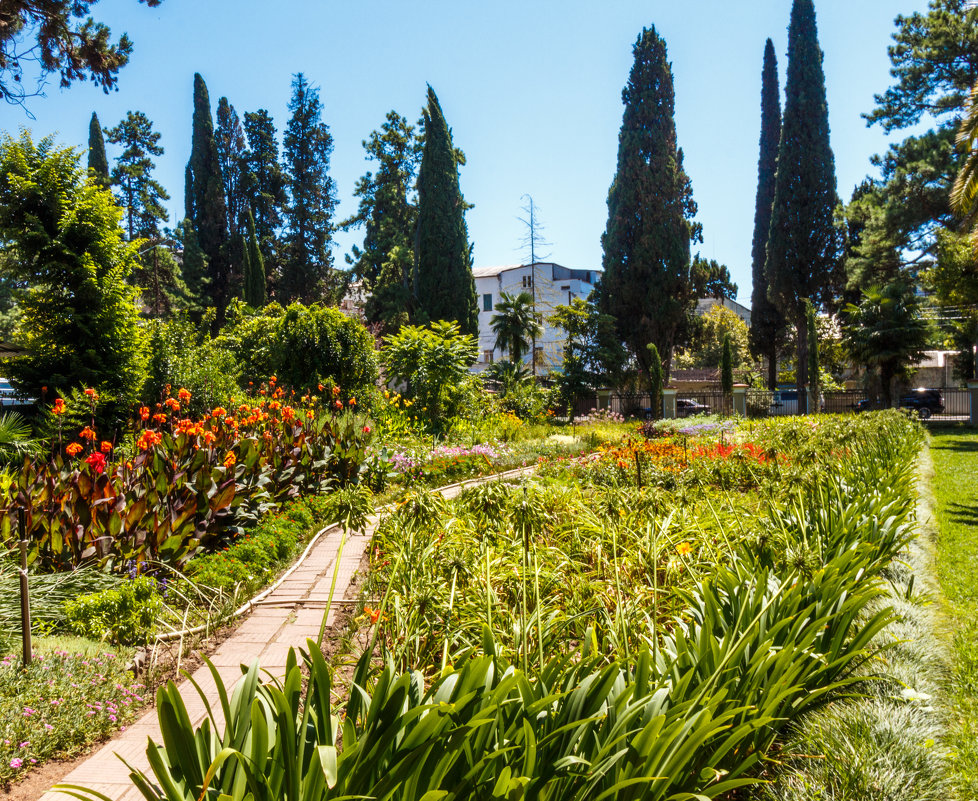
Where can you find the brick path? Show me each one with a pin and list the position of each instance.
(267, 634)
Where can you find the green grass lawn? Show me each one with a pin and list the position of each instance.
(955, 488)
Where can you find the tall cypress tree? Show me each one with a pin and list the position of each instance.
(307, 263)
(803, 247)
(98, 164)
(444, 288)
(205, 191)
(647, 283)
(254, 267)
(766, 323)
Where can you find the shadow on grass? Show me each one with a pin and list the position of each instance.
(962, 513)
(964, 444)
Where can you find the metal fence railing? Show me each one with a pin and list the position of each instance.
(954, 404)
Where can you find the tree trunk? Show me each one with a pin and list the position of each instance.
(801, 367)
(886, 385)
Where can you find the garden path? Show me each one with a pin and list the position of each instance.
(278, 623)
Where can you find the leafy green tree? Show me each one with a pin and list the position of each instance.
(887, 332)
(141, 196)
(444, 288)
(230, 140)
(206, 209)
(307, 263)
(159, 278)
(706, 344)
(953, 280)
(303, 346)
(766, 323)
(647, 283)
(264, 186)
(387, 212)
(98, 164)
(390, 299)
(80, 324)
(254, 277)
(51, 34)
(515, 324)
(593, 355)
(726, 366)
(803, 249)
(433, 361)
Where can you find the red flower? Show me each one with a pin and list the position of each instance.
(96, 461)
(366, 429)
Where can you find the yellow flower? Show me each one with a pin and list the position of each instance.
(684, 549)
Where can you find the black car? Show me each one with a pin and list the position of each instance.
(687, 406)
(923, 401)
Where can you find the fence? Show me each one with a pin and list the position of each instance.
(764, 403)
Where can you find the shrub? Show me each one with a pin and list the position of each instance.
(124, 615)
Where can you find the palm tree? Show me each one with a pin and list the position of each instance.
(964, 193)
(515, 324)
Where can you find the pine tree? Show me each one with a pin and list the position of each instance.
(98, 164)
(803, 245)
(386, 210)
(264, 185)
(254, 264)
(139, 194)
(205, 196)
(230, 140)
(647, 284)
(444, 288)
(307, 263)
(766, 323)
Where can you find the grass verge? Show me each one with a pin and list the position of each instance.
(954, 484)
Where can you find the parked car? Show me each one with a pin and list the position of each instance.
(686, 407)
(923, 401)
(785, 401)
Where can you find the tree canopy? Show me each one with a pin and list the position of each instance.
(647, 284)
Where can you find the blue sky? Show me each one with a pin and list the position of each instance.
(531, 89)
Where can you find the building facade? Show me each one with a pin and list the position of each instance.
(552, 285)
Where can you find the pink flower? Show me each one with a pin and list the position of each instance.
(16, 762)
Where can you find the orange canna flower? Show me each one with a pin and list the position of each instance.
(59, 406)
(106, 446)
(148, 439)
(338, 404)
(159, 418)
(87, 433)
(352, 401)
(73, 449)
(144, 412)
(230, 459)
(272, 380)
(90, 392)
(219, 412)
(184, 395)
(310, 414)
(336, 391)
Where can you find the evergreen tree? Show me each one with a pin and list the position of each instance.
(813, 362)
(803, 247)
(80, 324)
(726, 366)
(386, 210)
(207, 210)
(140, 195)
(230, 140)
(307, 262)
(254, 266)
(444, 288)
(98, 164)
(767, 327)
(264, 185)
(647, 283)
(655, 381)
(194, 267)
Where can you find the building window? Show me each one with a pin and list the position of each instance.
(527, 281)
(487, 302)
(566, 287)
(487, 357)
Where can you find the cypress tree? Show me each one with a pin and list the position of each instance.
(726, 366)
(444, 288)
(230, 140)
(766, 322)
(803, 245)
(307, 263)
(98, 164)
(647, 283)
(205, 191)
(655, 380)
(254, 267)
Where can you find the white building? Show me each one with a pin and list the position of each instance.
(552, 284)
(703, 305)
